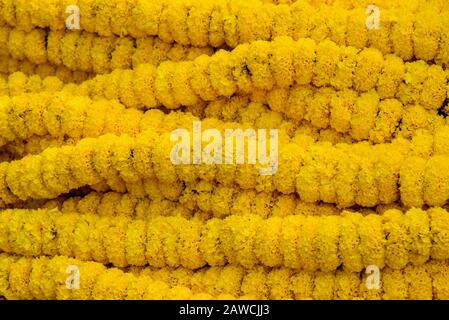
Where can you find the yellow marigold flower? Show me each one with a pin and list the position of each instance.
(328, 55)
(436, 186)
(16, 43)
(357, 33)
(19, 276)
(289, 167)
(5, 268)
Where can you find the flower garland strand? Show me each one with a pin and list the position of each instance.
(46, 279)
(412, 5)
(428, 281)
(345, 174)
(61, 115)
(236, 109)
(364, 116)
(87, 52)
(27, 77)
(309, 243)
(262, 65)
(406, 31)
(206, 199)
(64, 116)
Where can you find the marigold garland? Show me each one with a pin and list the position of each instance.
(354, 174)
(89, 53)
(407, 31)
(203, 201)
(64, 116)
(9, 65)
(45, 278)
(424, 282)
(57, 119)
(279, 64)
(310, 243)
(364, 116)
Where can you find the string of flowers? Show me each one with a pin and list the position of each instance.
(45, 278)
(204, 201)
(406, 30)
(364, 116)
(74, 117)
(18, 83)
(257, 114)
(34, 145)
(423, 282)
(111, 204)
(345, 174)
(309, 243)
(282, 63)
(65, 119)
(64, 116)
(305, 134)
(87, 52)
(9, 65)
(413, 5)
(236, 109)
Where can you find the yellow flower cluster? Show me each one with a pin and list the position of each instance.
(309, 243)
(87, 52)
(426, 282)
(263, 65)
(46, 279)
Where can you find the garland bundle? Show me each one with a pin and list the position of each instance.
(220, 149)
